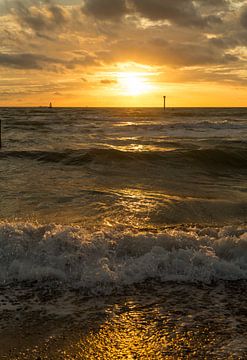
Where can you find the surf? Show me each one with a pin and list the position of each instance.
(103, 261)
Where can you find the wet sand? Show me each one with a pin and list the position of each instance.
(150, 321)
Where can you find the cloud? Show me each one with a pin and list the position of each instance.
(243, 17)
(38, 61)
(159, 51)
(40, 18)
(84, 61)
(24, 61)
(105, 9)
(194, 40)
(182, 12)
(108, 81)
(220, 4)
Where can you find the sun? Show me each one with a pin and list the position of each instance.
(132, 83)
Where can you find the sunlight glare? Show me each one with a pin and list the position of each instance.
(133, 83)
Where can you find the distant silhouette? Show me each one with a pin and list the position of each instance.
(50, 106)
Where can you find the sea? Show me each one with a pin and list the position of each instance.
(123, 233)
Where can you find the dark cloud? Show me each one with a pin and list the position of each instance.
(214, 20)
(24, 61)
(105, 9)
(243, 17)
(223, 4)
(108, 81)
(182, 12)
(37, 61)
(44, 36)
(40, 18)
(224, 42)
(159, 51)
(58, 14)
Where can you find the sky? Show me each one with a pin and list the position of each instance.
(123, 52)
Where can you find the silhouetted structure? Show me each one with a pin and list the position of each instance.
(164, 102)
(50, 106)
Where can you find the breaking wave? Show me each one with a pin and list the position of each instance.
(99, 262)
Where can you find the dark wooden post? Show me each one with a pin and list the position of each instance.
(164, 102)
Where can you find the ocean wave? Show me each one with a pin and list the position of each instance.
(210, 125)
(175, 127)
(101, 261)
(220, 157)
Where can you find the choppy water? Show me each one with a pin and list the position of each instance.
(103, 202)
(141, 167)
(120, 182)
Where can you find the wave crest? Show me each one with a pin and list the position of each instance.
(220, 157)
(106, 260)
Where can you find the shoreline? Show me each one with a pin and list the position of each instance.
(193, 321)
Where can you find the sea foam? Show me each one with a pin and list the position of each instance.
(112, 258)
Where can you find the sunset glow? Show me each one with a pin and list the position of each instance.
(74, 53)
(133, 84)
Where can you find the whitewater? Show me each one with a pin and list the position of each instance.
(100, 262)
(110, 211)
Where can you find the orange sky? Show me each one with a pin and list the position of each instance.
(123, 52)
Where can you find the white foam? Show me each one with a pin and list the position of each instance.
(111, 259)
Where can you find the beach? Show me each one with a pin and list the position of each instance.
(147, 322)
(152, 322)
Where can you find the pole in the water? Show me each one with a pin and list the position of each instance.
(164, 102)
(50, 106)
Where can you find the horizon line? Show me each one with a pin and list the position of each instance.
(124, 107)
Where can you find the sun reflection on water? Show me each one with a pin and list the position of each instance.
(133, 147)
(131, 335)
(146, 332)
